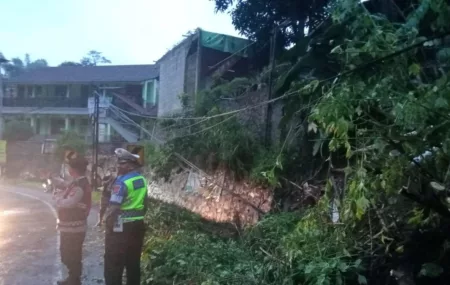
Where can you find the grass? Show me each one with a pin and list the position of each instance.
(96, 196)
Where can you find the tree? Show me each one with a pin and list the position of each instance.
(257, 18)
(16, 66)
(17, 131)
(70, 63)
(38, 63)
(93, 58)
(70, 141)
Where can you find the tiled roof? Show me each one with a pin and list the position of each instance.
(87, 74)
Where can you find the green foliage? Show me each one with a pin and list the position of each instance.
(70, 63)
(70, 141)
(94, 58)
(17, 66)
(431, 270)
(17, 131)
(287, 248)
(160, 160)
(370, 95)
(370, 113)
(229, 145)
(256, 19)
(382, 116)
(220, 140)
(209, 99)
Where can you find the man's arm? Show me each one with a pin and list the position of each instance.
(60, 183)
(118, 196)
(71, 201)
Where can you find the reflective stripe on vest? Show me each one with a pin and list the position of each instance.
(133, 207)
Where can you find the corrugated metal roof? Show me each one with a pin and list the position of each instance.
(87, 74)
(45, 110)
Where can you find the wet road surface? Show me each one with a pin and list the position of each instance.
(28, 243)
(29, 252)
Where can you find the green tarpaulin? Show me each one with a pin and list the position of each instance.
(225, 43)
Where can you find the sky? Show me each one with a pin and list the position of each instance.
(126, 32)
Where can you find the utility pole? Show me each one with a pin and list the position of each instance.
(273, 45)
(95, 128)
(2, 122)
(268, 133)
(2, 60)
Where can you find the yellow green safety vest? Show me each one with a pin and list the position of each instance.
(133, 208)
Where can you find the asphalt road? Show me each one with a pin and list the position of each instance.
(29, 252)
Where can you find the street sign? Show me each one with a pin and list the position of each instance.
(49, 146)
(137, 149)
(2, 152)
(103, 103)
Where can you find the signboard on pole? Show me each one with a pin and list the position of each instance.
(2, 152)
(103, 103)
(49, 146)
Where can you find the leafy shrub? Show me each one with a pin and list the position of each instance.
(287, 248)
(70, 141)
(17, 131)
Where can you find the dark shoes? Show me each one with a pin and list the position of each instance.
(69, 282)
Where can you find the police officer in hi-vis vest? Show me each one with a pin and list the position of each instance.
(124, 218)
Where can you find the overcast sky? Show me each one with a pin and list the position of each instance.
(127, 32)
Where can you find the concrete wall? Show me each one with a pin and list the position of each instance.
(190, 76)
(172, 77)
(255, 117)
(219, 197)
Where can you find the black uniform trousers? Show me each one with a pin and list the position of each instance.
(123, 250)
(71, 249)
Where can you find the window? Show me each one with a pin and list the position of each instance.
(29, 91)
(38, 91)
(61, 90)
(57, 126)
(21, 92)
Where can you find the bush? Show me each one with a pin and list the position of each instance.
(17, 131)
(287, 248)
(70, 141)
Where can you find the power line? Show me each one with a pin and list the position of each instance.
(193, 166)
(205, 129)
(347, 72)
(298, 91)
(286, 94)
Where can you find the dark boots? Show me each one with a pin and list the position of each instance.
(70, 281)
